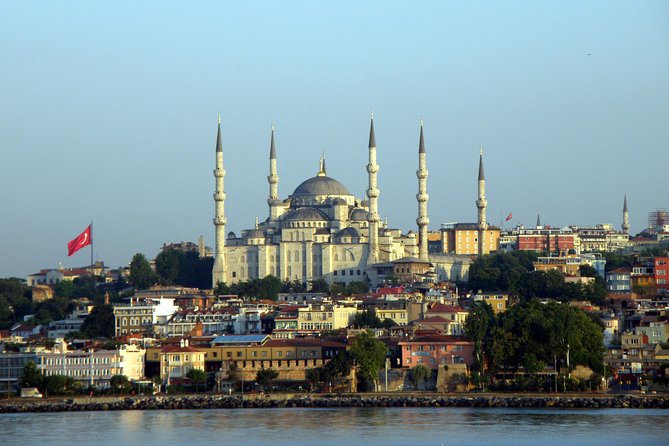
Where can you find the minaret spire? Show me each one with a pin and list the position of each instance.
(538, 220)
(218, 272)
(423, 221)
(272, 178)
(626, 217)
(481, 204)
(373, 195)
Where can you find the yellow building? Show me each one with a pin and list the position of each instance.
(316, 318)
(499, 302)
(463, 238)
(251, 353)
(397, 315)
(177, 360)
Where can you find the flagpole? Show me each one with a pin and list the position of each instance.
(92, 274)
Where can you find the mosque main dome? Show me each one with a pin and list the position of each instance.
(320, 185)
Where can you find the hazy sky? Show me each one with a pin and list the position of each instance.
(108, 113)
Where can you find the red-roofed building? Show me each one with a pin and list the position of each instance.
(436, 350)
(456, 316)
(437, 323)
(177, 360)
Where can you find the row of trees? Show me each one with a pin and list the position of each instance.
(514, 272)
(173, 267)
(531, 335)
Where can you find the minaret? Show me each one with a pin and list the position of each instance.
(626, 218)
(218, 273)
(373, 195)
(422, 198)
(538, 221)
(273, 177)
(481, 204)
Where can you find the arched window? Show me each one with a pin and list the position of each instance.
(290, 271)
(243, 259)
(336, 257)
(290, 259)
(271, 270)
(242, 272)
(297, 256)
(271, 258)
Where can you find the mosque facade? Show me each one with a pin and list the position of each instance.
(322, 231)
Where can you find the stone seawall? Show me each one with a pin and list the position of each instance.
(237, 402)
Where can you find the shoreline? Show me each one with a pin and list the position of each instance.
(278, 401)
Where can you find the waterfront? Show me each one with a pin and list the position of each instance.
(334, 426)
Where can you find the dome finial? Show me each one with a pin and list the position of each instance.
(321, 166)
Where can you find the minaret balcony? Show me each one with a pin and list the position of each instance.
(219, 173)
(421, 174)
(219, 196)
(372, 168)
(422, 197)
(220, 221)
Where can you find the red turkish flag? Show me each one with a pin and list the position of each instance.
(509, 217)
(83, 239)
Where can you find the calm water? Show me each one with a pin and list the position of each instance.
(376, 426)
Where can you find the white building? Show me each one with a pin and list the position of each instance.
(91, 367)
(139, 316)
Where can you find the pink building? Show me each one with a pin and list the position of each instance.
(435, 350)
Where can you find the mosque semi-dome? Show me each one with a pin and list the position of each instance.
(305, 214)
(359, 215)
(321, 185)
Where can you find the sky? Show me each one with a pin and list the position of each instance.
(108, 114)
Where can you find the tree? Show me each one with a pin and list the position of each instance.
(388, 323)
(141, 274)
(366, 319)
(197, 377)
(477, 327)
(357, 288)
(120, 383)
(31, 376)
(57, 384)
(64, 288)
(269, 287)
(320, 286)
(100, 322)
(168, 265)
(265, 377)
(500, 271)
(419, 375)
(530, 335)
(370, 355)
